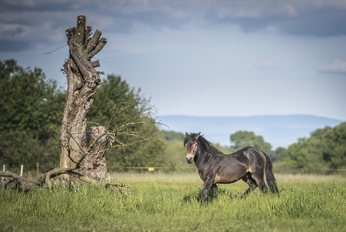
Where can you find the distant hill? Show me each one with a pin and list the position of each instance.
(277, 130)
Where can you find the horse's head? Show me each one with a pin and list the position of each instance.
(191, 146)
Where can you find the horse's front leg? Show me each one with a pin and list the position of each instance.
(207, 185)
(215, 190)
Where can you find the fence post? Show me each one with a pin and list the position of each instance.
(21, 170)
(3, 169)
(37, 168)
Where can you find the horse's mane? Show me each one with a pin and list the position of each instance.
(205, 143)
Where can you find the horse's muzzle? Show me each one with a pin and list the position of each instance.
(189, 159)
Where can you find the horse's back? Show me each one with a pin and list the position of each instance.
(244, 152)
(250, 156)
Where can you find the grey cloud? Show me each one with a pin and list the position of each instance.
(304, 17)
(314, 21)
(13, 45)
(34, 6)
(247, 25)
(319, 22)
(298, 18)
(337, 67)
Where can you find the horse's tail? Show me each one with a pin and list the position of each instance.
(271, 181)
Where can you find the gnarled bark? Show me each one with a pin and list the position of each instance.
(96, 144)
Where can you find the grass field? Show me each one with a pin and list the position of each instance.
(169, 202)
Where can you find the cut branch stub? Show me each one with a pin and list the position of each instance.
(97, 48)
(93, 41)
(80, 31)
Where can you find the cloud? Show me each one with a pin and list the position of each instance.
(14, 46)
(338, 66)
(297, 17)
(265, 63)
(40, 21)
(317, 21)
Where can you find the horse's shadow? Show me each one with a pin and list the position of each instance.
(197, 195)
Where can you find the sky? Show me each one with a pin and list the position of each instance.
(198, 57)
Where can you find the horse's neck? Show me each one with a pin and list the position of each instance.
(202, 157)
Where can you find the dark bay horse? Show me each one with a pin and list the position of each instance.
(248, 164)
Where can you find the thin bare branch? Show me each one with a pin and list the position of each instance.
(46, 53)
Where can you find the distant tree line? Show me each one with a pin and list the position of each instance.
(31, 109)
(323, 152)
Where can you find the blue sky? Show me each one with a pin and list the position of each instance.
(201, 58)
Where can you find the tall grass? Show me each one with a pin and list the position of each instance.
(170, 202)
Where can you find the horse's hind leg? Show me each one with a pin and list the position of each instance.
(252, 185)
(258, 176)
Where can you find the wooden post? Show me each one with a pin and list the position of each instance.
(3, 169)
(37, 168)
(21, 170)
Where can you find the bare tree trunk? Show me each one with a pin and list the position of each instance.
(82, 79)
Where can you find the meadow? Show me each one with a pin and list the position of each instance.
(170, 202)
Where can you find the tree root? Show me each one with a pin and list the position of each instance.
(19, 183)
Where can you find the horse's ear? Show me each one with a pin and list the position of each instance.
(186, 134)
(197, 136)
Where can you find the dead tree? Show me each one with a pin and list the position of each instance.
(83, 150)
(82, 79)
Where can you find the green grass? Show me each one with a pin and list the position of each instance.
(169, 202)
